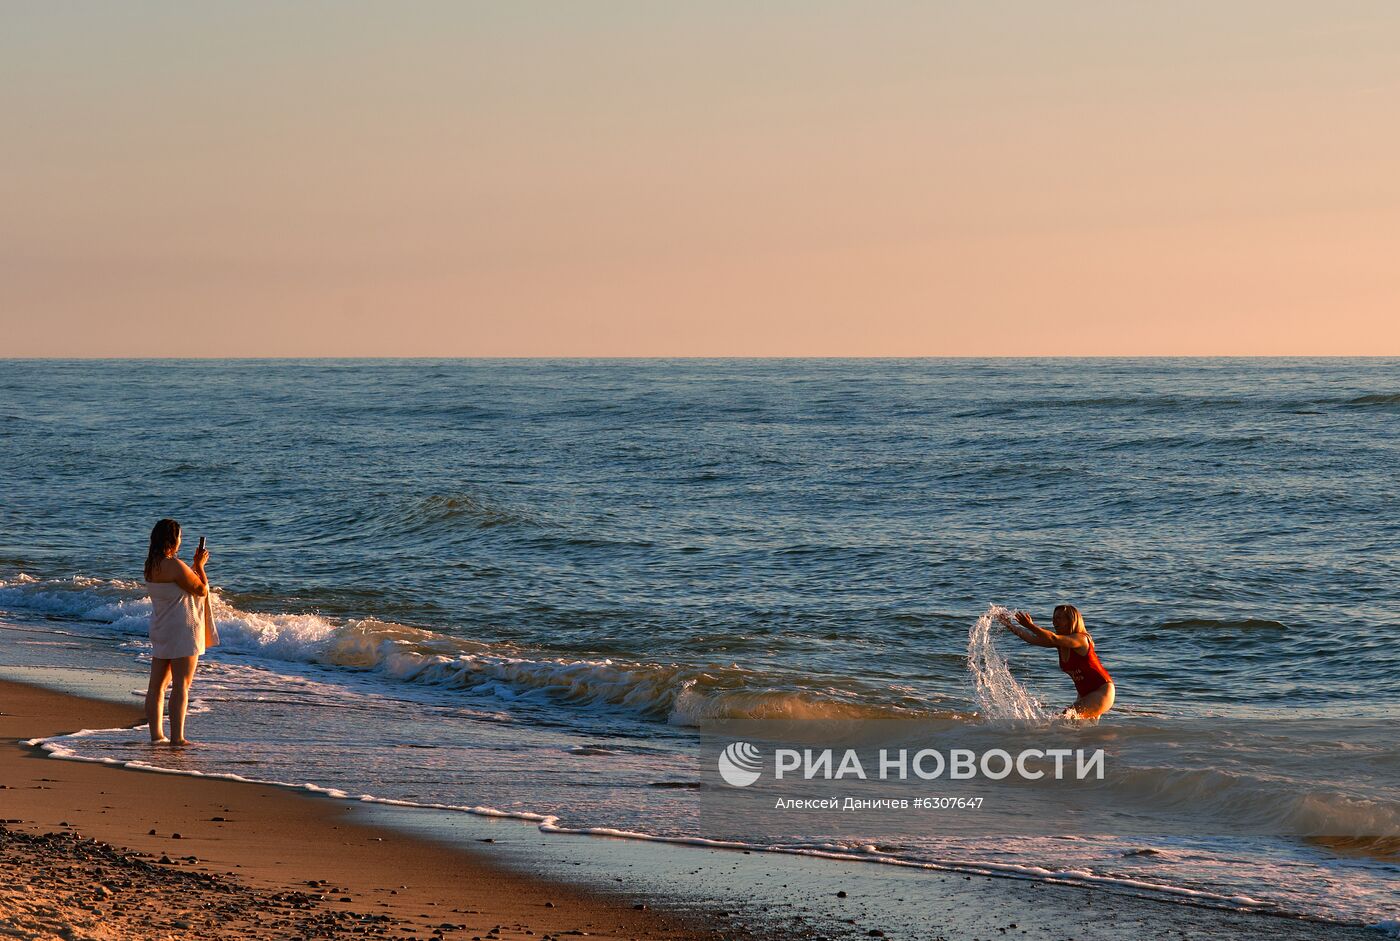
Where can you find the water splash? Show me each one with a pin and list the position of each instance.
(1000, 698)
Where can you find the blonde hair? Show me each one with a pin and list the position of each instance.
(1076, 619)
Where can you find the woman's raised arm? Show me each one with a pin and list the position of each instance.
(194, 582)
(1026, 629)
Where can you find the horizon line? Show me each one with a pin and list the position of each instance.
(702, 357)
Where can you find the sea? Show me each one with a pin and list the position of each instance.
(524, 588)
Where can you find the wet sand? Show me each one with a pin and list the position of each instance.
(179, 855)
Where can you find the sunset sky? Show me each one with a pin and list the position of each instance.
(707, 178)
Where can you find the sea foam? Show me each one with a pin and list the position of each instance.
(677, 694)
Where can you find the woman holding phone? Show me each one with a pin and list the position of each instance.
(181, 626)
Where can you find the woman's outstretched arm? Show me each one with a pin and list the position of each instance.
(1026, 629)
(1010, 624)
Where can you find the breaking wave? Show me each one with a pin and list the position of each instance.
(678, 694)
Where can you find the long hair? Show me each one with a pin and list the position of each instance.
(1076, 619)
(164, 535)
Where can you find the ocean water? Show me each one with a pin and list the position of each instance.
(521, 587)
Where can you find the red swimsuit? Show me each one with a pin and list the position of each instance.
(1085, 669)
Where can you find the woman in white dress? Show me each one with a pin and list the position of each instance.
(179, 621)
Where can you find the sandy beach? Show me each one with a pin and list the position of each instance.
(88, 851)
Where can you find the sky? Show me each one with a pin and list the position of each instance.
(700, 179)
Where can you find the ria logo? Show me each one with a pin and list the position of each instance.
(740, 764)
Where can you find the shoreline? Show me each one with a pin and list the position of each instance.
(258, 840)
(321, 861)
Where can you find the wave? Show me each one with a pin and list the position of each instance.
(1374, 400)
(1262, 804)
(1208, 624)
(1150, 403)
(443, 509)
(677, 694)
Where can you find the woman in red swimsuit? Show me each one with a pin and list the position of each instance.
(1077, 658)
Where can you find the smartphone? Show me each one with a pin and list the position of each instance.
(200, 547)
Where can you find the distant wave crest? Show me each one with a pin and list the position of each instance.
(466, 507)
(1227, 624)
(1374, 400)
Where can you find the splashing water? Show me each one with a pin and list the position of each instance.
(1002, 699)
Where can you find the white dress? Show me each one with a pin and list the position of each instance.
(177, 621)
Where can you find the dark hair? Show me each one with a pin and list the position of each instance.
(164, 535)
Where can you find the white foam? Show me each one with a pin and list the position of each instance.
(657, 691)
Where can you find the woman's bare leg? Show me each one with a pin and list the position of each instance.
(1092, 705)
(182, 675)
(155, 698)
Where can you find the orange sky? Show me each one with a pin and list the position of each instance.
(642, 178)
